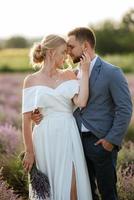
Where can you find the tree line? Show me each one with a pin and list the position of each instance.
(112, 37)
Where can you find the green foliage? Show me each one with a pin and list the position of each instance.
(14, 60)
(6, 192)
(16, 42)
(115, 37)
(18, 180)
(17, 60)
(14, 174)
(112, 37)
(128, 20)
(125, 172)
(126, 62)
(126, 155)
(130, 134)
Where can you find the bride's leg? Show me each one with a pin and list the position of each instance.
(73, 186)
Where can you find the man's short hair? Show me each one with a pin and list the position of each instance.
(84, 34)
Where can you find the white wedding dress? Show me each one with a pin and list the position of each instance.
(56, 139)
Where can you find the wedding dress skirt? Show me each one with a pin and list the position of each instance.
(57, 143)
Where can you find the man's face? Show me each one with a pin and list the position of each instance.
(75, 48)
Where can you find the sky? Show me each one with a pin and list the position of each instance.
(36, 18)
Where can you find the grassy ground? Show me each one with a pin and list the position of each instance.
(14, 60)
(126, 62)
(17, 60)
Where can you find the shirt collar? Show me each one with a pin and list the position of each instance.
(93, 61)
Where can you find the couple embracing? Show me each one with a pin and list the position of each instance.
(76, 148)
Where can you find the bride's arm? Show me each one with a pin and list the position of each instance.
(27, 132)
(81, 98)
(27, 137)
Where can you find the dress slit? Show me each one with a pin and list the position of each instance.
(73, 182)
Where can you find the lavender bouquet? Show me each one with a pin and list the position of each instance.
(39, 181)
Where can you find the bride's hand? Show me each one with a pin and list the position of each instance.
(28, 161)
(85, 61)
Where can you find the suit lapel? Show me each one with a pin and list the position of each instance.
(94, 75)
(95, 72)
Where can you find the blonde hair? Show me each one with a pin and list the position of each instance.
(38, 51)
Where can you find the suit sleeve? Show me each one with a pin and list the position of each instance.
(123, 107)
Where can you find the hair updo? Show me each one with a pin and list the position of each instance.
(38, 51)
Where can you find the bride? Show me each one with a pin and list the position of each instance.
(55, 143)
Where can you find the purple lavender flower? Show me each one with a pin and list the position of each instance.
(126, 182)
(39, 182)
(9, 139)
(7, 193)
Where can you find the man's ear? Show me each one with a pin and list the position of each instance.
(86, 45)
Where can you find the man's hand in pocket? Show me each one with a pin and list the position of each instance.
(106, 145)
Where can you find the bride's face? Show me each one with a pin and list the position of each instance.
(60, 55)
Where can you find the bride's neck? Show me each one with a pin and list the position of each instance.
(49, 69)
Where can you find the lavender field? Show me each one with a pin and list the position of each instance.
(13, 181)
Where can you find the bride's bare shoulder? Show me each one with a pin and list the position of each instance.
(69, 74)
(29, 80)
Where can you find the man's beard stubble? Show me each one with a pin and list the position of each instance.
(77, 59)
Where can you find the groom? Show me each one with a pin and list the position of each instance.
(104, 121)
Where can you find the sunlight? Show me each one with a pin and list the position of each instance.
(36, 18)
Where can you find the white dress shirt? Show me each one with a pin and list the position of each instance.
(83, 128)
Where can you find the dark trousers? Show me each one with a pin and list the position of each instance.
(101, 167)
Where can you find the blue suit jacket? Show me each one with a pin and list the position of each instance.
(109, 108)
